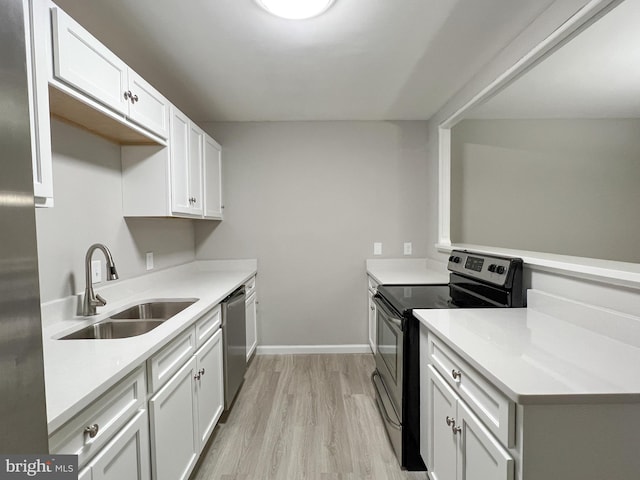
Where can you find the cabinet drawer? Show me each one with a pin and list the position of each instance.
(493, 408)
(250, 287)
(109, 414)
(170, 359)
(207, 325)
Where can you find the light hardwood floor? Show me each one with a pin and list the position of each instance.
(303, 417)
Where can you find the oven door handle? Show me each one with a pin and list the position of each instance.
(388, 314)
(383, 409)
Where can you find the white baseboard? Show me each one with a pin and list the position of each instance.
(311, 349)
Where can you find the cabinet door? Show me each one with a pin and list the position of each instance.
(212, 179)
(174, 440)
(196, 158)
(81, 61)
(252, 326)
(126, 457)
(372, 322)
(209, 387)
(441, 441)
(179, 140)
(148, 108)
(480, 455)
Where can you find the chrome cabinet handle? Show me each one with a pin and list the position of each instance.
(127, 94)
(134, 99)
(197, 376)
(456, 429)
(456, 374)
(450, 421)
(201, 372)
(92, 430)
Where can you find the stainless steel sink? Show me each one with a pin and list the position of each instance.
(114, 329)
(153, 310)
(133, 321)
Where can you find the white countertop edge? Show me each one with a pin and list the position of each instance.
(161, 337)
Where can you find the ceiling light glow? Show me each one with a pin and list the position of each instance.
(295, 9)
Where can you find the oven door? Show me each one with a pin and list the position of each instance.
(389, 353)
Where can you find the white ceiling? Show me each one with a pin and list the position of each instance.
(228, 60)
(595, 75)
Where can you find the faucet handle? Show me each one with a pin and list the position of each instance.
(100, 301)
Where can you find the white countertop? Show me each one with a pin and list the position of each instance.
(553, 351)
(78, 371)
(407, 271)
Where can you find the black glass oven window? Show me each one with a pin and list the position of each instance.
(474, 263)
(388, 344)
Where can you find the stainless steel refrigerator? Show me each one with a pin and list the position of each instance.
(23, 423)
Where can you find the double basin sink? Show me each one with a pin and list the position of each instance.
(133, 321)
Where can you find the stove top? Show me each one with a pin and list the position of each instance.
(407, 297)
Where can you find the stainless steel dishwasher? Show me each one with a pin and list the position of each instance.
(234, 344)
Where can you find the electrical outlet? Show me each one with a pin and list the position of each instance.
(149, 260)
(96, 271)
(377, 248)
(408, 248)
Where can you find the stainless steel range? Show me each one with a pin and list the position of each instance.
(475, 281)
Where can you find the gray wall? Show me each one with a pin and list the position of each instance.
(88, 209)
(566, 186)
(308, 199)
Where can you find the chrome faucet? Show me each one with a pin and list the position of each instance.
(91, 300)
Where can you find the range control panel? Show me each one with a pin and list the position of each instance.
(488, 268)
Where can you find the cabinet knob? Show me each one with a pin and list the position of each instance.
(197, 376)
(92, 430)
(450, 421)
(456, 429)
(201, 372)
(134, 99)
(456, 374)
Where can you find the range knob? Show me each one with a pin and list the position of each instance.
(492, 267)
(500, 269)
(456, 259)
(451, 258)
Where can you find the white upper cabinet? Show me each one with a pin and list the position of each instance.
(82, 62)
(212, 179)
(183, 180)
(179, 161)
(195, 159)
(187, 144)
(147, 106)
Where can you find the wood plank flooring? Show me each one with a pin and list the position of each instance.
(303, 417)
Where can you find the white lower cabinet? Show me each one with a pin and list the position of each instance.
(185, 411)
(458, 446)
(209, 387)
(126, 457)
(252, 326)
(174, 441)
(372, 313)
